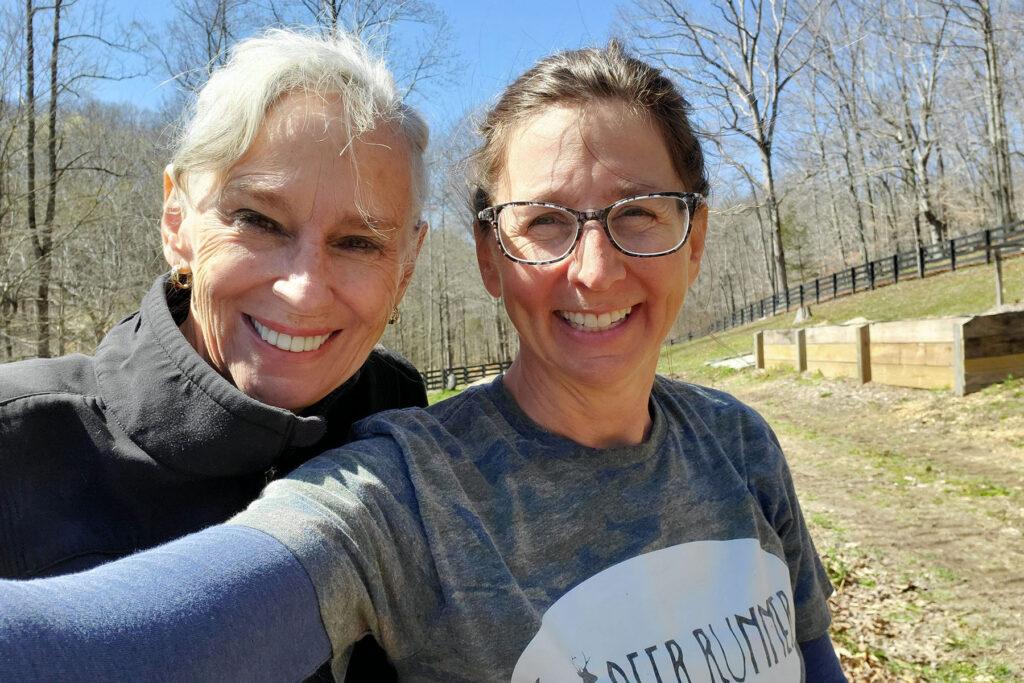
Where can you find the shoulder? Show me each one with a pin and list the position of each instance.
(384, 360)
(452, 418)
(46, 378)
(390, 372)
(717, 421)
(720, 412)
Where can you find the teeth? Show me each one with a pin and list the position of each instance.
(287, 342)
(593, 322)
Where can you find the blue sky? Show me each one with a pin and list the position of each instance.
(495, 39)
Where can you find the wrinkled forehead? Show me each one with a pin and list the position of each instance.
(306, 141)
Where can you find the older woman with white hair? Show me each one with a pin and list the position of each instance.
(291, 225)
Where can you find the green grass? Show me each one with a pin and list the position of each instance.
(1011, 388)
(968, 291)
(825, 521)
(440, 395)
(904, 471)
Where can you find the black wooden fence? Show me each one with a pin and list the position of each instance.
(978, 247)
(449, 378)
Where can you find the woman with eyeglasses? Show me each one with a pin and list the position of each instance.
(578, 518)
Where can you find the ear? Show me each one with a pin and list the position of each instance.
(487, 259)
(697, 240)
(177, 248)
(409, 266)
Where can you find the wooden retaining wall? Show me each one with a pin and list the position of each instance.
(781, 349)
(914, 353)
(838, 351)
(960, 353)
(987, 349)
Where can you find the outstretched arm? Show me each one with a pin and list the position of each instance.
(820, 661)
(228, 603)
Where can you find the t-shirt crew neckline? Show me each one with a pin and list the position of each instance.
(556, 445)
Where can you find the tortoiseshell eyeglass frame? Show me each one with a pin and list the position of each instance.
(692, 200)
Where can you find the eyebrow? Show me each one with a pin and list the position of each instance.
(268, 195)
(263, 193)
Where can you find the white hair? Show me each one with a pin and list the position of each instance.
(230, 109)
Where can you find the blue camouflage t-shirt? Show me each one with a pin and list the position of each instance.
(477, 546)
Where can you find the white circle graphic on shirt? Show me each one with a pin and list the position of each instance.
(702, 612)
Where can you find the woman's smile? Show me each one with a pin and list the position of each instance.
(294, 341)
(596, 322)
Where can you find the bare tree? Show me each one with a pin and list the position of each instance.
(741, 63)
(41, 232)
(905, 102)
(976, 16)
(196, 39)
(427, 59)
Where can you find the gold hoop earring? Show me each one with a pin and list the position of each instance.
(396, 315)
(181, 277)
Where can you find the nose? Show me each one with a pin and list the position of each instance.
(596, 264)
(304, 281)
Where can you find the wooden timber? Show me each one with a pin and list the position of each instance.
(987, 349)
(839, 351)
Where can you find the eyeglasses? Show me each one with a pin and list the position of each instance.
(538, 233)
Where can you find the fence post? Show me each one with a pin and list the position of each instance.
(871, 274)
(988, 246)
(999, 276)
(835, 285)
(959, 361)
(864, 353)
(759, 350)
(952, 254)
(896, 268)
(817, 291)
(920, 261)
(762, 308)
(853, 279)
(801, 350)
(774, 304)
(801, 295)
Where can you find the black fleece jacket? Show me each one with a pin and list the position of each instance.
(104, 455)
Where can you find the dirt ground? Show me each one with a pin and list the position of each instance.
(916, 503)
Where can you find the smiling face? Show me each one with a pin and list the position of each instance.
(298, 253)
(595, 320)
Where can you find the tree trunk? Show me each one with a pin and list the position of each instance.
(998, 138)
(778, 251)
(40, 245)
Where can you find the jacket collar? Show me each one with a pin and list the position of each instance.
(180, 411)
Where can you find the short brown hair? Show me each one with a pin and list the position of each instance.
(579, 77)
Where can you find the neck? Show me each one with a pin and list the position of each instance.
(598, 416)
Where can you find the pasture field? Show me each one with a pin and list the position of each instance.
(915, 500)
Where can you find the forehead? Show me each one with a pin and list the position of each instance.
(596, 154)
(304, 152)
